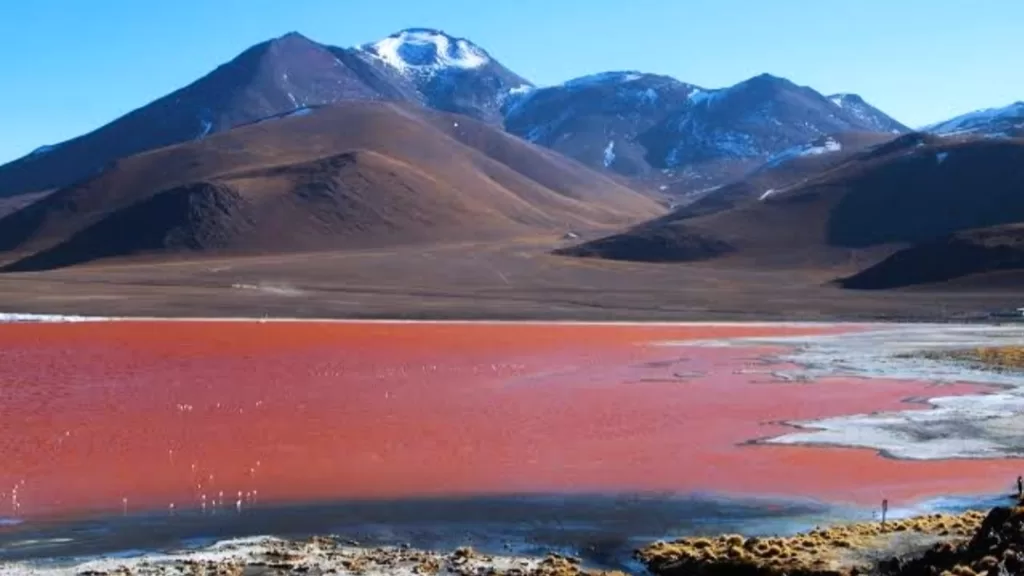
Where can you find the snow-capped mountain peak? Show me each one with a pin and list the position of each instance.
(424, 50)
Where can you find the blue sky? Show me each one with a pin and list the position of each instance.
(70, 66)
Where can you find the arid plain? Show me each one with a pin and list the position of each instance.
(516, 279)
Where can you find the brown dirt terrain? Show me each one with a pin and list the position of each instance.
(517, 279)
(347, 176)
(12, 204)
(913, 189)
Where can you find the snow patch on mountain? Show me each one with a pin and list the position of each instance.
(609, 153)
(989, 120)
(10, 317)
(603, 78)
(541, 131)
(854, 105)
(205, 127)
(43, 150)
(827, 146)
(515, 97)
(421, 50)
(701, 96)
(302, 111)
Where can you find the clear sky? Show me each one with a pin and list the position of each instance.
(70, 66)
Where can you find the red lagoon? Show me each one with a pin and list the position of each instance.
(142, 415)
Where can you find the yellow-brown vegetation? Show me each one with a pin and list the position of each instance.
(820, 551)
(995, 357)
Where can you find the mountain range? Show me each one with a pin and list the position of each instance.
(629, 123)
(423, 136)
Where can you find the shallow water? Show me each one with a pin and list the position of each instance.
(603, 529)
(187, 419)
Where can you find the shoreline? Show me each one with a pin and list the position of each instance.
(28, 318)
(33, 317)
(840, 546)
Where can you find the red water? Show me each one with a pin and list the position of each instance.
(95, 415)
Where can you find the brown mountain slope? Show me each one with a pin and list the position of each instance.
(273, 77)
(978, 253)
(354, 174)
(910, 190)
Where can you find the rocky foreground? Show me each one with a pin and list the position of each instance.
(319, 555)
(969, 544)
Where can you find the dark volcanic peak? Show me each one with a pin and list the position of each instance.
(685, 136)
(270, 79)
(750, 122)
(597, 119)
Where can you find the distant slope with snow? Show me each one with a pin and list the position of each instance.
(730, 130)
(791, 167)
(871, 118)
(1007, 121)
(752, 120)
(684, 136)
